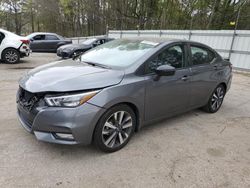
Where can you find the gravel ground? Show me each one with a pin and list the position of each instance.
(194, 149)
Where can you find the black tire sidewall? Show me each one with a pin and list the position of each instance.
(7, 50)
(98, 130)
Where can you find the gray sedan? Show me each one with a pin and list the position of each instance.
(70, 50)
(114, 89)
(46, 42)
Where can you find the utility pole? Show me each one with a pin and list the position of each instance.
(235, 29)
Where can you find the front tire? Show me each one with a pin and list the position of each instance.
(11, 56)
(115, 128)
(215, 100)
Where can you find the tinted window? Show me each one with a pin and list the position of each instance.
(118, 53)
(89, 41)
(51, 37)
(1, 37)
(201, 55)
(173, 56)
(99, 42)
(39, 37)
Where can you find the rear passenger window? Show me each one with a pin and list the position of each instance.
(201, 55)
(1, 37)
(51, 37)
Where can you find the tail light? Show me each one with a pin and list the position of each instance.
(25, 42)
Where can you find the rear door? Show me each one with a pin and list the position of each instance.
(37, 43)
(170, 94)
(51, 42)
(203, 79)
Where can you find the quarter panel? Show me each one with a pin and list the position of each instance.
(130, 90)
(204, 80)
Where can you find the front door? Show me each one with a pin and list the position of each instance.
(170, 94)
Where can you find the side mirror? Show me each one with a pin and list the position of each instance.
(165, 70)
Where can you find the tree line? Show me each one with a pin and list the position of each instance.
(94, 17)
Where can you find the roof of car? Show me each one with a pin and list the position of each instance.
(154, 39)
(100, 37)
(5, 31)
(161, 40)
(42, 33)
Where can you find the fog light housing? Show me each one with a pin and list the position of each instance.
(64, 136)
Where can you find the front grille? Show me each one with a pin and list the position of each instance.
(26, 118)
(27, 102)
(27, 99)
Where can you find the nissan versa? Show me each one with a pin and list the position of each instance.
(111, 91)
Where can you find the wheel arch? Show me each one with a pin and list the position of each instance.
(130, 104)
(7, 49)
(135, 109)
(224, 85)
(137, 114)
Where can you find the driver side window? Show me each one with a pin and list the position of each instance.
(99, 42)
(39, 37)
(173, 56)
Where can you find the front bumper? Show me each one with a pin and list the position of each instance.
(46, 122)
(63, 54)
(24, 50)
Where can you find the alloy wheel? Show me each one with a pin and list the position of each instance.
(217, 98)
(117, 129)
(11, 56)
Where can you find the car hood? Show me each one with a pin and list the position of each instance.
(74, 46)
(69, 75)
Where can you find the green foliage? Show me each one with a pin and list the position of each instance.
(94, 17)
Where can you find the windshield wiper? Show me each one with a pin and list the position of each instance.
(97, 64)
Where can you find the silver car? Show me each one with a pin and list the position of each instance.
(111, 91)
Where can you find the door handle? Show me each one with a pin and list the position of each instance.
(184, 78)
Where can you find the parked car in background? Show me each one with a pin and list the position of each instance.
(114, 89)
(46, 42)
(13, 47)
(67, 51)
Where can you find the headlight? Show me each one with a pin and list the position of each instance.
(69, 100)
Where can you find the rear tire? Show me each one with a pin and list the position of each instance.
(11, 56)
(216, 99)
(115, 128)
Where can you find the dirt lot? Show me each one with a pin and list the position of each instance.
(195, 149)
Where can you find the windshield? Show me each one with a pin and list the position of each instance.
(88, 41)
(118, 53)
